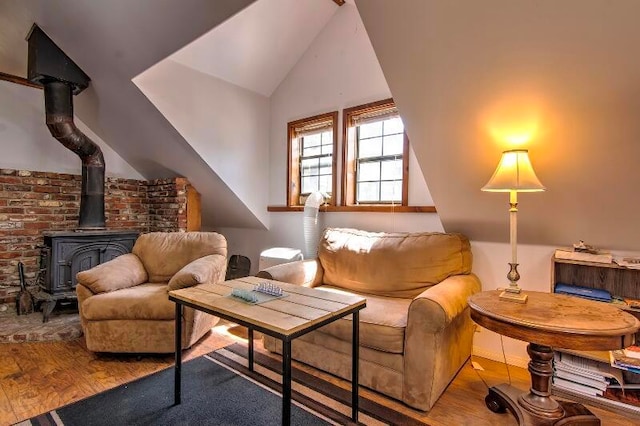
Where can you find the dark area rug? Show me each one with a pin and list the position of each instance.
(211, 395)
(328, 399)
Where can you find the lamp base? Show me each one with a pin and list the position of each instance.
(513, 297)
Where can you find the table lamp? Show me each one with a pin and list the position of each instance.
(514, 174)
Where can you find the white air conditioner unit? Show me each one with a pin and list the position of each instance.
(278, 255)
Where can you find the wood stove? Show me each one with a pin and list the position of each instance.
(65, 253)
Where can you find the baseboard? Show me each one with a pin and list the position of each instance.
(497, 356)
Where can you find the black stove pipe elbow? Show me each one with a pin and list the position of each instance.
(59, 119)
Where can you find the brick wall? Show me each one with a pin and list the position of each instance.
(126, 205)
(167, 204)
(33, 202)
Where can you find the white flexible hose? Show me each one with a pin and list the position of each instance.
(311, 225)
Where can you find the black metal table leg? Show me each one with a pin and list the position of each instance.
(286, 382)
(250, 357)
(355, 362)
(177, 381)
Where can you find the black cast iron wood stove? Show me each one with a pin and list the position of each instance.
(65, 253)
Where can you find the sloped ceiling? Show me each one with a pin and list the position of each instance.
(256, 48)
(469, 76)
(250, 47)
(113, 41)
(215, 91)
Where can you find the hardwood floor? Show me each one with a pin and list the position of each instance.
(38, 377)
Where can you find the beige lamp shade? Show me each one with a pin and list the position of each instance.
(514, 173)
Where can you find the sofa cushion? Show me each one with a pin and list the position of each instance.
(198, 272)
(122, 272)
(165, 253)
(391, 264)
(382, 322)
(147, 301)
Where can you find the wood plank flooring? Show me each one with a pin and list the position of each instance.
(40, 376)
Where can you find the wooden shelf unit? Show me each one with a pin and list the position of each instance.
(620, 282)
(617, 280)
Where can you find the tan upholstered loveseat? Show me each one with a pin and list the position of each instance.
(123, 303)
(415, 332)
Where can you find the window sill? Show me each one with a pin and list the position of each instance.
(373, 208)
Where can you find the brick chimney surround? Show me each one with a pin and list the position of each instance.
(33, 203)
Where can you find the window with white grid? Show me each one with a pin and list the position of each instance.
(312, 162)
(376, 163)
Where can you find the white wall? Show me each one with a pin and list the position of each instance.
(26, 144)
(490, 263)
(228, 126)
(554, 77)
(339, 70)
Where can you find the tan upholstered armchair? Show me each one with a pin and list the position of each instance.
(415, 332)
(123, 303)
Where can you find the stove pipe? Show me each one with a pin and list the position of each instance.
(62, 78)
(59, 116)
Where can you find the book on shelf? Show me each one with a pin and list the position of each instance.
(585, 372)
(570, 254)
(579, 365)
(595, 383)
(574, 360)
(602, 376)
(584, 292)
(623, 362)
(577, 387)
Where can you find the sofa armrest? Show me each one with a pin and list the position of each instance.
(440, 304)
(438, 338)
(210, 268)
(307, 273)
(122, 272)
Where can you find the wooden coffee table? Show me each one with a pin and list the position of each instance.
(301, 311)
(546, 321)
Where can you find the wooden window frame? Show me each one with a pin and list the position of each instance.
(349, 154)
(294, 183)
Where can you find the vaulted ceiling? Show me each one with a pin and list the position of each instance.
(114, 42)
(258, 47)
(464, 75)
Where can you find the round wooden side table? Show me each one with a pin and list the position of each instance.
(549, 321)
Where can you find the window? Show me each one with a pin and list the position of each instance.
(312, 161)
(375, 155)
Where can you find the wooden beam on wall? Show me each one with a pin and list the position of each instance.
(19, 80)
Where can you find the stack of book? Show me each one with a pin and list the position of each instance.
(583, 375)
(627, 359)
